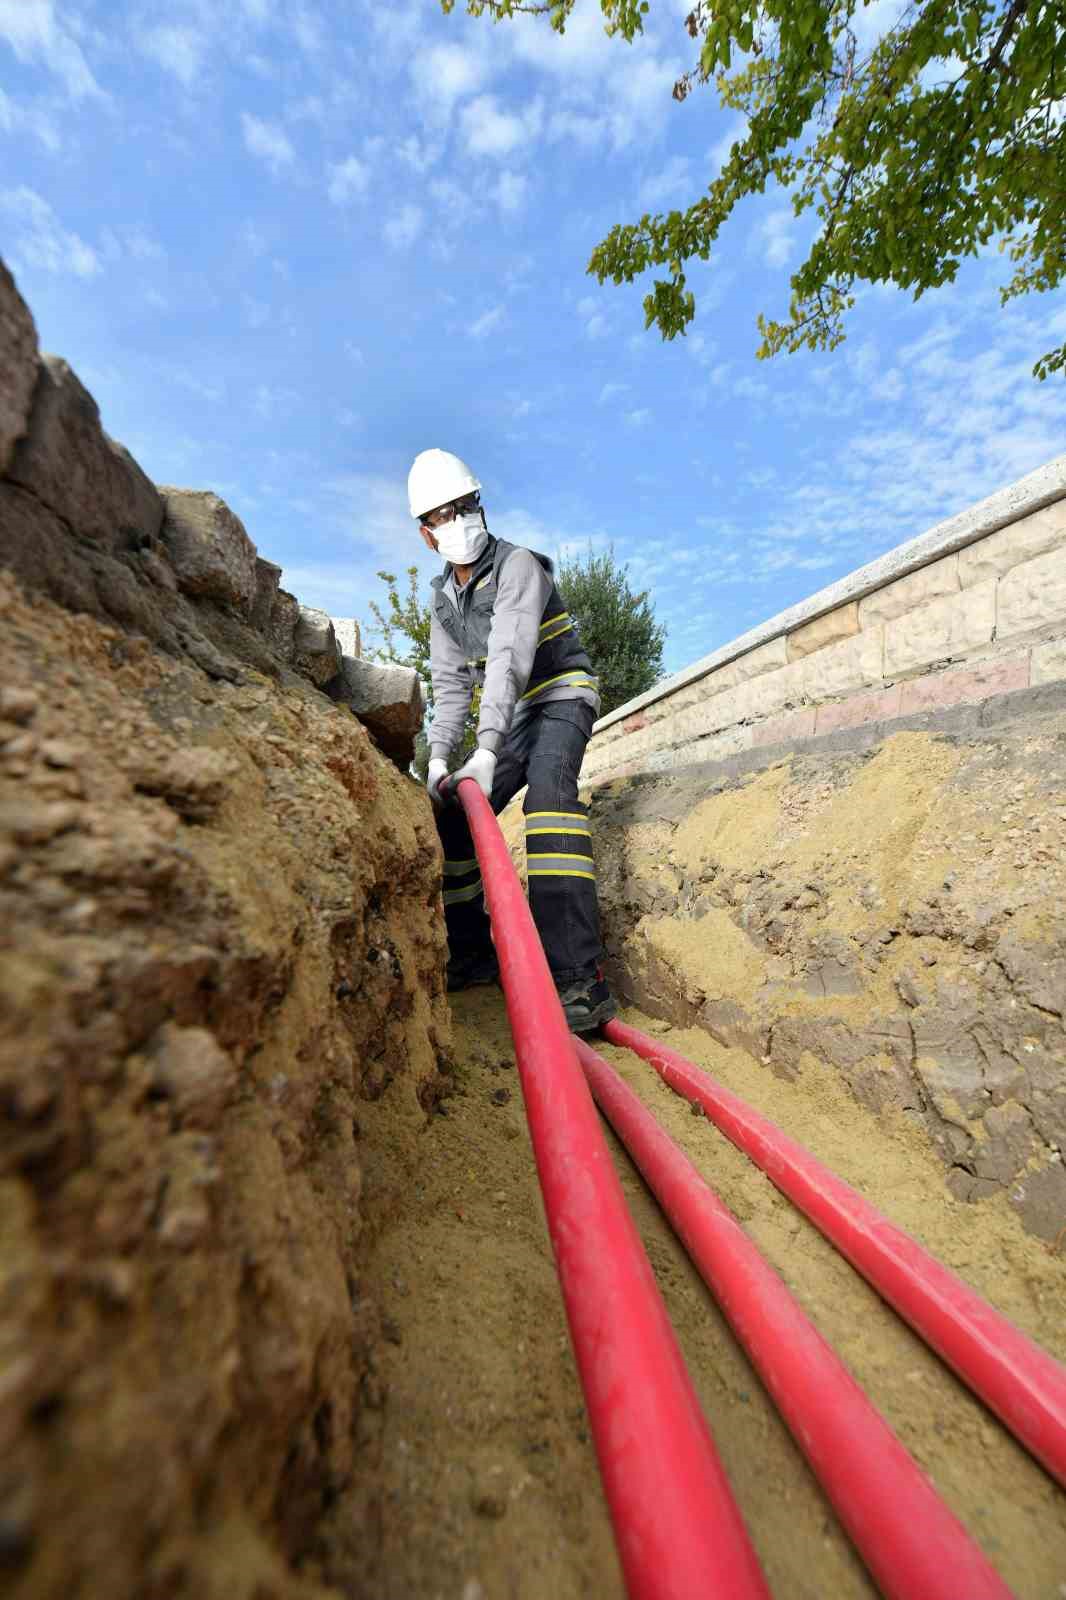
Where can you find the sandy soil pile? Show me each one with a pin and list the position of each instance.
(895, 913)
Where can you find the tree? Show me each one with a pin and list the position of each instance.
(944, 137)
(616, 626)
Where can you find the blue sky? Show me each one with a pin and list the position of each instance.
(289, 243)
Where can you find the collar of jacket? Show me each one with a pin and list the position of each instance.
(482, 565)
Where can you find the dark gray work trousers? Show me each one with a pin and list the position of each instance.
(545, 754)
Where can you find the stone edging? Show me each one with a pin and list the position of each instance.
(1032, 493)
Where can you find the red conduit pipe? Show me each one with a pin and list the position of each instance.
(911, 1542)
(677, 1527)
(1022, 1384)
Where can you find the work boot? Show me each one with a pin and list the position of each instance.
(586, 1004)
(472, 967)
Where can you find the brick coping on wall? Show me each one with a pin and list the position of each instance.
(1032, 493)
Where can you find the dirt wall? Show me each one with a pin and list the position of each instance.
(221, 1026)
(894, 911)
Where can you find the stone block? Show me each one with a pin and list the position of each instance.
(854, 663)
(770, 692)
(1032, 595)
(938, 690)
(349, 637)
(1048, 662)
(68, 463)
(213, 557)
(267, 582)
(387, 700)
(765, 658)
(715, 747)
(944, 628)
(635, 723)
(858, 709)
(317, 653)
(917, 589)
(716, 712)
(1020, 541)
(843, 623)
(789, 729)
(281, 629)
(18, 366)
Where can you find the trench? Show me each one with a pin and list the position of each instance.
(483, 1478)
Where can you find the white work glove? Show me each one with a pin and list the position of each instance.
(482, 768)
(437, 770)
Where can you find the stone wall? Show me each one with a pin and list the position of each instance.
(222, 1028)
(81, 523)
(971, 610)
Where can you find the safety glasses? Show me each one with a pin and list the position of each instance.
(445, 513)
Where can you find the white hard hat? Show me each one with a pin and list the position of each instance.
(436, 478)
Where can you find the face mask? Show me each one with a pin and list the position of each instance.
(463, 539)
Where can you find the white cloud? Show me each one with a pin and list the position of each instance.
(567, 126)
(267, 141)
(308, 29)
(421, 154)
(510, 192)
(41, 241)
(604, 92)
(639, 419)
(35, 33)
(270, 404)
(403, 227)
(256, 312)
(130, 239)
(443, 74)
(194, 382)
(750, 388)
(774, 238)
(487, 323)
(253, 237)
(592, 315)
(611, 391)
(671, 183)
(347, 180)
(701, 349)
(177, 48)
(489, 131)
(14, 117)
(718, 154)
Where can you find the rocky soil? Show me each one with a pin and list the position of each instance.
(222, 1024)
(895, 912)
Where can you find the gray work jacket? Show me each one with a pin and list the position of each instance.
(508, 630)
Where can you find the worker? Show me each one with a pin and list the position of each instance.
(497, 623)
